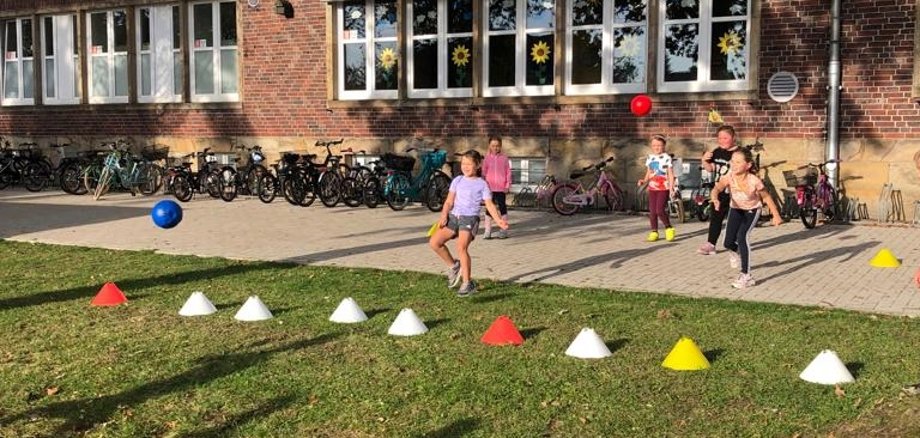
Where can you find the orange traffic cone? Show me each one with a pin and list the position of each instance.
(109, 295)
(502, 332)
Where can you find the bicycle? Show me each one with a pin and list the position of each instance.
(183, 183)
(243, 180)
(813, 192)
(123, 170)
(571, 196)
(429, 186)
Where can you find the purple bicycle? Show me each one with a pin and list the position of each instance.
(571, 196)
(813, 192)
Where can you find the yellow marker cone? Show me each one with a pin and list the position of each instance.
(433, 229)
(884, 259)
(686, 356)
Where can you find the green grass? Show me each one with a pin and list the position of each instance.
(141, 370)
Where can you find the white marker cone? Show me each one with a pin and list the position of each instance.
(348, 312)
(407, 323)
(588, 345)
(253, 310)
(197, 305)
(827, 369)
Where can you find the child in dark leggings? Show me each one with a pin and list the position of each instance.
(659, 174)
(747, 194)
(716, 162)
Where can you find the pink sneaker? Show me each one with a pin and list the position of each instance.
(706, 249)
(744, 281)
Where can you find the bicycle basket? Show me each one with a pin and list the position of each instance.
(434, 159)
(800, 177)
(155, 153)
(398, 162)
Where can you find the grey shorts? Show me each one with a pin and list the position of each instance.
(463, 223)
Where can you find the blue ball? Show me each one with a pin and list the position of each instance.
(166, 214)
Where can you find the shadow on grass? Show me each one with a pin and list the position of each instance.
(374, 312)
(436, 322)
(855, 368)
(129, 285)
(532, 332)
(84, 414)
(613, 346)
(713, 355)
(238, 420)
(455, 429)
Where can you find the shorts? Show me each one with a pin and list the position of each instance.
(463, 223)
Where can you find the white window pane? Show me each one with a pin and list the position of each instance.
(121, 75)
(228, 73)
(681, 53)
(27, 79)
(540, 14)
(49, 77)
(355, 67)
(204, 73)
(98, 32)
(11, 80)
(177, 73)
(100, 86)
(145, 74)
(629, 55)
(204, 26)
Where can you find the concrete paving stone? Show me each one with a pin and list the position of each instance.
(826, 266)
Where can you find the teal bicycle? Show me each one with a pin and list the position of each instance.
(120, 169)
(429, 186)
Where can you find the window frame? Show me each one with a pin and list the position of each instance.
(370, 56)
(217, 95)
(57, 58)
(110, 56)
(155, 31)
(520, 87)
(442, 37)
(608, 27)
(524, 168)
(704, 62)
(20, 59)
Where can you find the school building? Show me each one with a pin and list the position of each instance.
(809, 78)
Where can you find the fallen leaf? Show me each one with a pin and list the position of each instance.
(839, 391)
(52, 390)
(664, 314)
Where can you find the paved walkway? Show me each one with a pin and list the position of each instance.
(827, 266)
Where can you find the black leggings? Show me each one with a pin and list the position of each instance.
(717, 216)
(738, 234)
(499, 199)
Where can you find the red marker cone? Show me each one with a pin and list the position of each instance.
(502, 332)
(109, 295)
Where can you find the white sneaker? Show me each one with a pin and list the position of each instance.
(744, 281)
(734, 260)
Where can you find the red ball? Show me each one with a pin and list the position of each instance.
(640, 105)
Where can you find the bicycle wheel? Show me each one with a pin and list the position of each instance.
(809, 213)
(267, 184)
(309, 188)
(371, 189)
(71, 180)
(396, 191)
(210, 182)
(252, 181)
(352, 194)
(559, 199)
(35, 176)
(228, 184)
(181, 188)
(330, 188)
(148, 179)
(438, 187)
(831, 211)
(613, 196)
(102, 184)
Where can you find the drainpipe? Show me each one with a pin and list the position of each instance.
(833, 97)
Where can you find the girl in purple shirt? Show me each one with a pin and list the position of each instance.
(460, 219)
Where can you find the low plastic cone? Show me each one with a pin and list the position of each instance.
(588, 345)
(253, 310)
(348, 312)
(686, 356)
(407, 323)
(884, 259)
(826, 369)
(502, 332)
(109, 295)
(197, 305)
(433, 229)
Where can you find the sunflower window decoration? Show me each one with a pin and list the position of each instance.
(387, 62)
(539, 53)
(461, 59)
(730, 43)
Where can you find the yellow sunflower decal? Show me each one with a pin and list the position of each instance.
(730, 43)
(714, 117)
(387, 59)
(540, 52)
(460, 56)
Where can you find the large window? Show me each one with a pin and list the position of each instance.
(60, 74)
(441, 51)
(606, 48)
(159, 60)
(367, 53)
(518, 47)
(108, 56)
(18, 63)
(527, 172)
(213, 39)
(703, 45)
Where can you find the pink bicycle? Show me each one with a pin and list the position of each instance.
(569, 197)
(813, 193)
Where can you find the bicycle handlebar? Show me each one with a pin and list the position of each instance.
(327, 143)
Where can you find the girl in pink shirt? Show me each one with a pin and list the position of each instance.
(747, 196)
(496, 169)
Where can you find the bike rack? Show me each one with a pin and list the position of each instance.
(884, 203)
(916, 219)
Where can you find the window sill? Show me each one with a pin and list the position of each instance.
(750, 95)
(159, 107)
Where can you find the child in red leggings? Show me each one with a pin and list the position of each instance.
(659, 174)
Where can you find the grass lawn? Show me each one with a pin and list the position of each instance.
(141, 370)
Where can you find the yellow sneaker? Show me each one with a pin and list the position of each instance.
(652, 237)
(669, 234)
